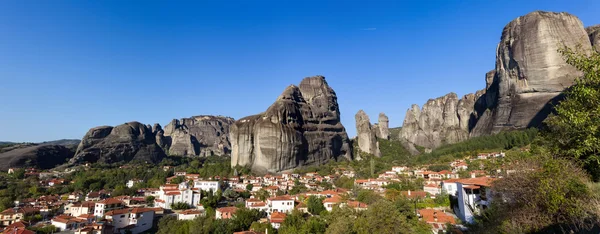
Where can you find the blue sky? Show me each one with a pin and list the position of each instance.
(67, 66)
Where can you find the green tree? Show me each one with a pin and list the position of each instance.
(368, 196)
(574, 132)
(543, 195)
(150, 200)
(262, 194)
(243, 218)
(261, 227)
(379, 218)
(177, 180)
(293, 223)
(249, 187)
(315, 205)
(19, 173)
(180, 206)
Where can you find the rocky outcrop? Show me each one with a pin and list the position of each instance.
(382, 127)
(443, 120)
(594, 34)
(529, 77)
(41, 156)
(530, 73)
(301, 128)
(198, 136)
(132, 141)
(366, 134)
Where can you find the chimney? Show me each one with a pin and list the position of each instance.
(435, 216)
(472, 175)
(408, 192)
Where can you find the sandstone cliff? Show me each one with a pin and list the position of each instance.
(382, 127)
(199, 135)
(529, 76)
(443, 120)
(132, 141)
(366, 134)
(594, 34)
(301, 128)
(42, 156)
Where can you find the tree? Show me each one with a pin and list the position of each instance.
(315, 205)
(261, 227)
(293, 223)
(263, 194)
(249, 187)
(229, 193)
(368, 196)
(341, 220)
(180, 206)
(314, 225)
(379, 218)
(177, 180)
(574, 131)
(243, 218)
(19, 173)
(150, 200)
(544, 195)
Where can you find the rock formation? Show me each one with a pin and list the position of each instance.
(199, 135)
(529, 76)
(366, 134)
(42, 156)
(594, 34)
(443, 120)
(301, 128)
(382, 127)
(132, 141)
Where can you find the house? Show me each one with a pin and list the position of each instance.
(131, 183)
(283, 204)
(432, 189)
(414, 194)
(331, 202)
(12, 215)
(66, 222)
(96, 228)
(207, 186)
(225, 212)
(79, 208)
(190, 214)
(449, 186)
(473, 196)
(136, 220)
(437, 219)
(170, 194)
(399, 169)
(107, 205)
(356, 205)
(17, 228)
(277, 219)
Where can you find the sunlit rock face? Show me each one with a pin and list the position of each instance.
(302, 127)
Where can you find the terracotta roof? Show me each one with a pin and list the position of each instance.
(357, 204)
(415, 194)
(430, 215)
(188, 212)
(173, 193)
(277, 217)
(281, 198)
(258, 204)
(229, 209)
(334, 199)
(110, 201)
(481, 181)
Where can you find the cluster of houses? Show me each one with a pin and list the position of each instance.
(98, 213)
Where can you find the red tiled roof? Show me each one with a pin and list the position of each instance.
(357, 204)
(229, 209)
(110, 201)
(277, 217)
(281, 198)
(333, 199)
(430, 215)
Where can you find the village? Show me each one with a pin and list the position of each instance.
(97, 212)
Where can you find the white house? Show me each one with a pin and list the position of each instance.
(131, 183)
(107, 205)
(399, 169)
(473, 196)
(331, 202)
(170, 195)
(432, 189)
(283, 204)
(65, 222)
(449, 186)
(136, 220)
(206, 185)
(190, 214)
(79, 208)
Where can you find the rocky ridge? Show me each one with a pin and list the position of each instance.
(529, 76)
(302, 127)
(366, 134)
